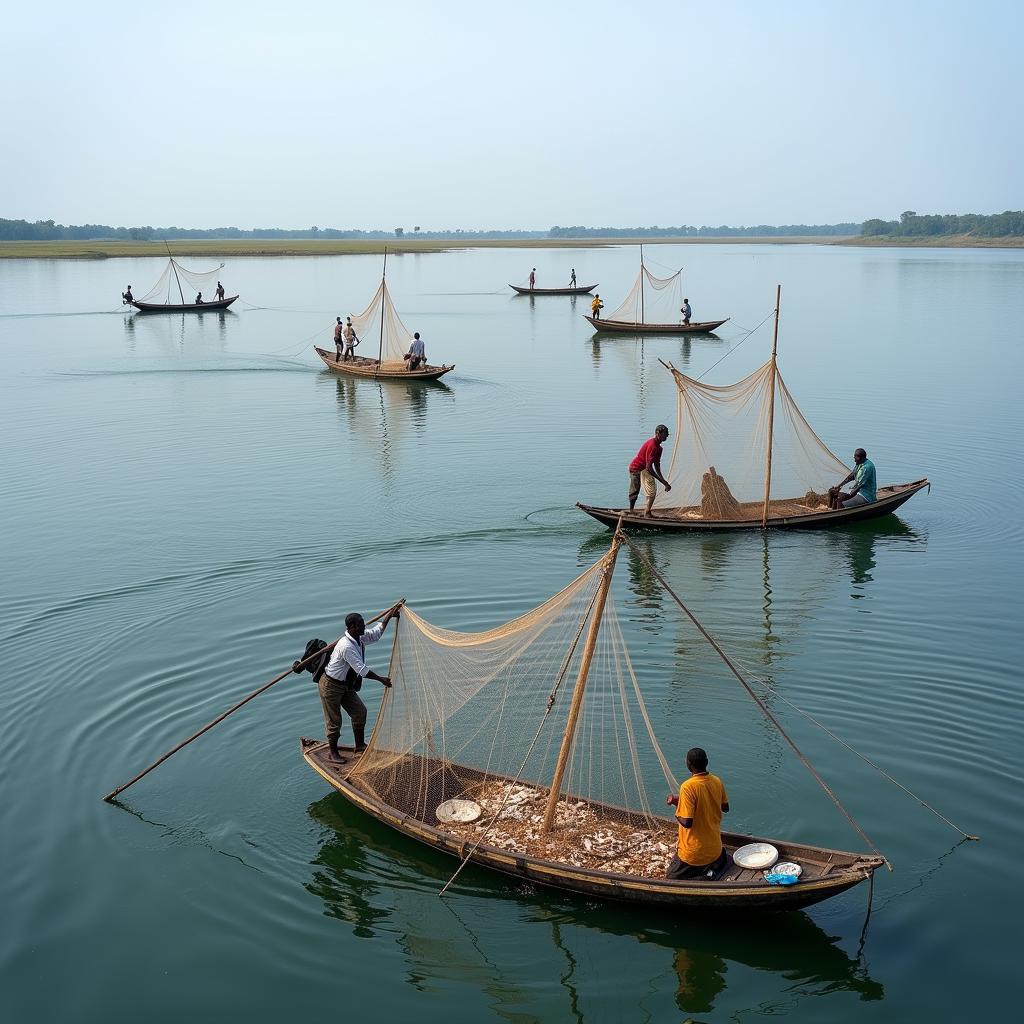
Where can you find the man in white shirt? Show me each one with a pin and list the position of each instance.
(417, 354)
(349, 335)
(340, 683)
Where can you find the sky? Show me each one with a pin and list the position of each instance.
(521, 115)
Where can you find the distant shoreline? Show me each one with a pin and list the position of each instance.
(216, 247)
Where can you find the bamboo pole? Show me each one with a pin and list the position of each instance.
(175, 269)
(771, 413)
(642, 314)
(230, 711)
(383, 306)
(581, 681)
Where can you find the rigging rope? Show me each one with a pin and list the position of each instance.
(765, 710)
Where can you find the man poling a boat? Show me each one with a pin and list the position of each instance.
(700, 804)
(340, 683)
(596, 305)
(865, 488)
(645, 470)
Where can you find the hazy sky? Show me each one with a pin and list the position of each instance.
(527, 114)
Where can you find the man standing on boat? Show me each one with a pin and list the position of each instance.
(596, 305)
(687, 312)
(337, 340)
(417, 354)
(349, 335)
(219, 292)
(645, 469)
(701, 802)
(533, 278)
(340, 684)
(864, 490)
(572, 278)
(126, 297)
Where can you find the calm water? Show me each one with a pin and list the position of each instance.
(187, 501)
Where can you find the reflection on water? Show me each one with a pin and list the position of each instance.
(377, 894)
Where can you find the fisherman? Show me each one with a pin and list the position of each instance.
(416, 354)
(687, 312)
(572, 278)
(701, 802)
(533, 278)
(337, 340)
(645, 469)
(126, 297)
(348, 333)
(340, 683)
(596, 305)
(864, 490)
(219, 292)
(199, 299)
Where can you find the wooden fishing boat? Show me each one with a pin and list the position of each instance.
(158, 298)
(581, 290)
(360, 366)
(717, 482)
(790, 514)
(457, 698)
(183, 307)
(380, 321)
(652, 306)
(624, 327)
(826, 872)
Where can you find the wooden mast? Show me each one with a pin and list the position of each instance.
(383, 306)
(174, 267)
(581, 681)
(642, 320)
(771, 411)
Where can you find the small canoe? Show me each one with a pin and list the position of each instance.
(790, 514)
(826, 872)
(627, 327)
(183, 307)
(581, 290)
(359, 366)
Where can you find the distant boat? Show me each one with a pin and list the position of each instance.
(380, 320)
(581, 290)
(172, 276)
(630, 317)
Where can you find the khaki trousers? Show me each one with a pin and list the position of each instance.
(334, 696)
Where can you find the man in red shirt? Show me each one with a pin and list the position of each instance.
(645, 469)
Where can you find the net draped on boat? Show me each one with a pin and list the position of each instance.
(379, 327)
(652, 300)
(718, 460)
(192, 283)
(467, 712)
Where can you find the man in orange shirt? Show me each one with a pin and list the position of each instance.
(699, 807)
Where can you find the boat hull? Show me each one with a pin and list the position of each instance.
(623, 327)
(728, 896)
(184, 307)
(361, 367)
(662, 520)
(583, 290)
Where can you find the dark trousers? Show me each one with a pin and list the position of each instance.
(679, 869)
(334, 696)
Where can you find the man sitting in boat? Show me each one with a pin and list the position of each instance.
(596, 305)
(126, 297)
(687, 312)
(645, 469)
(416, 354)
(349, 335)
(199, 299)
(864, 489)
(701, 802)
(340, 684)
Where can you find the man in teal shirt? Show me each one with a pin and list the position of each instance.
(864, 489)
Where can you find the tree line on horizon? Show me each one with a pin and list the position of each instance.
(910, 225)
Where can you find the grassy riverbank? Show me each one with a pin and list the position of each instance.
(216, 247)
(937, 241)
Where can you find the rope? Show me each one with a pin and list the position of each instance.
(738, 346)
(533, 744)
(757, 700)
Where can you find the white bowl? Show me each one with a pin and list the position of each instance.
(756, 856)
(453, 812)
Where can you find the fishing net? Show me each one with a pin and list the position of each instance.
(719, 453)
(652, 300)
(481, 716)
(380, 328)
(177, 285)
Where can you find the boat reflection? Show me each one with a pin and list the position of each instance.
(381, 883)
(171, 331)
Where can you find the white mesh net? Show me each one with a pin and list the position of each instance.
(652, 300)
(380, 328)
(178, 284)
(719, 453)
